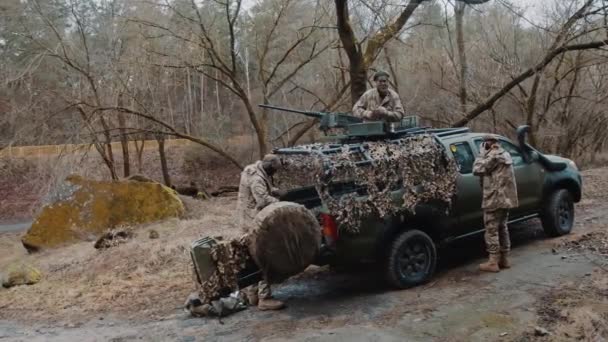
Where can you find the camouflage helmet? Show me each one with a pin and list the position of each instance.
(273, 160)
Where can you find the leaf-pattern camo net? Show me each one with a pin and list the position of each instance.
(417, 165)
(230, 258)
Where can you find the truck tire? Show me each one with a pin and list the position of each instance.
(411, 259)
(558, 214)
(285, 239)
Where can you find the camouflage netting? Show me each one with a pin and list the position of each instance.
(113, 238)
(285, 241)
(230, 258)
(419, 165)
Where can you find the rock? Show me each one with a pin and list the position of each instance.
(20, 274)
(140, 178)
(83, 209)
(153, 234)
(539, 331)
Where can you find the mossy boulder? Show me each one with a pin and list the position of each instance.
(82, 209)
(20, 274)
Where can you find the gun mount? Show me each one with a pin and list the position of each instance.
(348, 128)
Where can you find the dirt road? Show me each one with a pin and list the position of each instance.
(460, 304)
(14, 227)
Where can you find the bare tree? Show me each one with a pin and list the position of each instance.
(566, 40)
(218, 56)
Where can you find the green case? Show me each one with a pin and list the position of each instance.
(201, 258)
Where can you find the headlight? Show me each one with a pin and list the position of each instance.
(572, 165)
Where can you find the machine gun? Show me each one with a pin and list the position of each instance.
(327, 120)
(354, 128)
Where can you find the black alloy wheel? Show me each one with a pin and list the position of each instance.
(412, 259)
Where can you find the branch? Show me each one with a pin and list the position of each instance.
(285, 79)
(345, 31)
(313, 122)
(524, 76)
(268, 39)
(288, 131)
(231, 22)
(285, 56)
(172, 131)
(385, 34)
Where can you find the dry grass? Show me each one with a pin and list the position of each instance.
(147, 278)
(575, 312)
(24, 181)
(141, 278)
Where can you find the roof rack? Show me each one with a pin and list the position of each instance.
(444, 132)
(358, 145)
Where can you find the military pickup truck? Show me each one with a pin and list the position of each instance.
(406, 245)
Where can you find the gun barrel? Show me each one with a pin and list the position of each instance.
(311, 114)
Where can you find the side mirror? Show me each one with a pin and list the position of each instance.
(533, 156)
(522, 132)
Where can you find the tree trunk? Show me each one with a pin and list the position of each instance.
(358, 76)
(163, 159)
(139, 149)
(531, 109)
(189, 107)
(124, 141)
(202, 94)
(459, 8)
(98, 144)
(359, 61)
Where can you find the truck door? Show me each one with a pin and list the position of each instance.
(467, 204)
(529, 178)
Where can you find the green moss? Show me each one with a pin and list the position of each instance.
(21, 274)
(99, 205)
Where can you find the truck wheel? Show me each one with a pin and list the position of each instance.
(558, 214)
(411, 260)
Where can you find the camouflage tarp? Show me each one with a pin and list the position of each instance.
(113, 238)
(283, 242)
(418, 165)
(230, 258)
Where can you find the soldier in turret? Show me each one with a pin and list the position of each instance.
(379, 103)
(256, 191)
(495, 166)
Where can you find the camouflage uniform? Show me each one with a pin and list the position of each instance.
(372, 100)
(499, 195)
(255, 190)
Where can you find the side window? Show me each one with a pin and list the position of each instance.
(463, 156)
(518, 158)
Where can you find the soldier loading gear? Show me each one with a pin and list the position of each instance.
(379, 103)
(255, 193)
(495, 167)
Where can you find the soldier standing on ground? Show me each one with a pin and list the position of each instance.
(379, 103)
(495, 166)
(256, 191)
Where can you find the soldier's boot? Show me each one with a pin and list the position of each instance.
(270, 304)
(491, 265)
(252, 296)
(504, 260)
